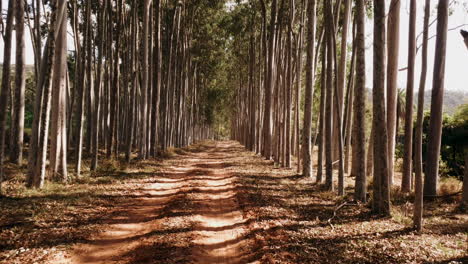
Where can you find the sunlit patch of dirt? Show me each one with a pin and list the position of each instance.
(215, 202)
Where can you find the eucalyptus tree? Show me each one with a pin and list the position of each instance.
(5, 88)
(309, 91)
(40, 130)
(381, 194)
(359, 147)
(418, 140)
(408, 146)
(438, 84)
(393, 48)
(58, 139)
(267, 126)
(17, 131)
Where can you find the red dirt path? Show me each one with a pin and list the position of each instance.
(194, 202)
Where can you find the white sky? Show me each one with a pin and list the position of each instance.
(456, 74)
(457, 53)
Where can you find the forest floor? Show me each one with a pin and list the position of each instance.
(215, 202)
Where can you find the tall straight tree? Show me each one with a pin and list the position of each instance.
(438, 82)
(144, 84)
(359, 147)
(329, 33)
(40, 130)
(85, 60)
(97, 86)
(418, 139)
(381, 194)
(16, 152)
(309, 91)
(58, 139)
(323, 102)
(408, 151)
(267, 121)
(393, 49)
(157, 77)
(5, 88)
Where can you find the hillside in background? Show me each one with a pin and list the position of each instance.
(452, 100)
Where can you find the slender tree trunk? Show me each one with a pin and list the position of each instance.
(323, 103)
(309, 91)
(97, 88)
(359, 146)
(85, 61)
(408, 153)
(393, 47)
(16, 152)
(381, 195)
(267, 126)
(5, 89)
(58, 154)
(418, 166)
(329, 32)
(435, 125)
(38, 148)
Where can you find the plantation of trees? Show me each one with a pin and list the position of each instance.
(231, 131)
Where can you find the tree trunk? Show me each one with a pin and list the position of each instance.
(393, 49)
(58, 153)
(408, 146)
(38, 147)
(5, 89)
(16, 152)
(323, 103)
(329, 32)
(309, 91)
(359, 146)
(435, 125)
(381, 195)
(418, 166)
(267, 126)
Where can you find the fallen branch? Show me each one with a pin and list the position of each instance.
(334, 214)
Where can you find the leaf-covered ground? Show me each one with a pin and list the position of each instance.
(215, 203)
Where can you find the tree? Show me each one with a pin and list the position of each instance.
(58, 139)
(144, 83)
(39, 138)
(269, 84)
(323, 103)
(309, 91)
(16, 152)
(84, 63)
(5, 88)
(393, 48)
(329, 32)
(359, 148)
(418, 166)
(408, 152)
(438, 81)
(381, 195)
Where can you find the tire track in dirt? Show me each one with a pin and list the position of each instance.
(188, 214)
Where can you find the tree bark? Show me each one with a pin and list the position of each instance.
(16, 152)
(381, 195)
(438, 82)
(359, 147)
(309, 91)
(418, 166)
(5, 89)
(393, 49)
(58, 153)
(408, 146)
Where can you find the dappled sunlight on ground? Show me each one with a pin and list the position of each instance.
(215, 202)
